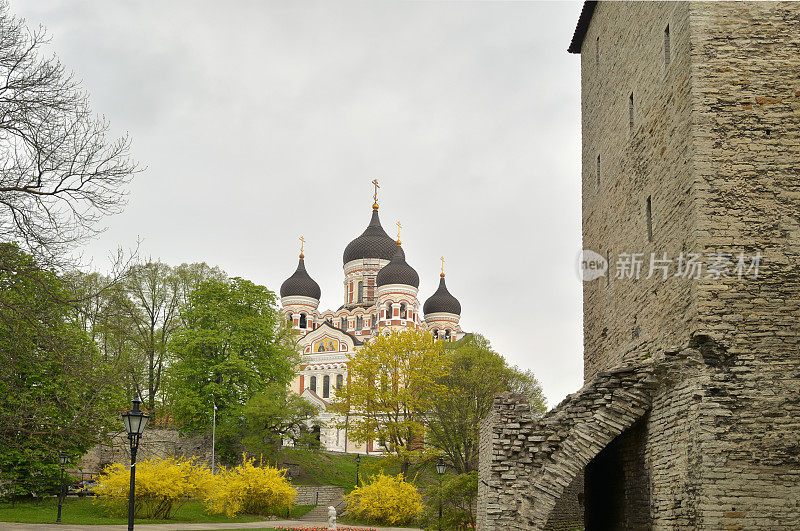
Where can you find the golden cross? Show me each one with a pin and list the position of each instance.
(302, 244)
(375, 183)
(398, 230)
(442, 259)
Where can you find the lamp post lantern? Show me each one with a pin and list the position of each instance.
(62, 461)
(358, 463)
(135, 422)
(440, 468)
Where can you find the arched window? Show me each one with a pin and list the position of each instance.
(402, 310)
(435, 334)
(374, 322)
(289, 317)
(303, 322)
(312, 384)
(339, 381)
(343, 324)
(447, 334)
(359, 322)
(326, 386)
(388, 310)
(360, 291)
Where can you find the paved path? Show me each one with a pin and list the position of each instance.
(10, 526)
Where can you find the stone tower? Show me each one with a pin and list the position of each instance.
(690, 412)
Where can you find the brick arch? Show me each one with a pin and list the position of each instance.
(526, 464)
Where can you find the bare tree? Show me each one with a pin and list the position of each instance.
(59, 174)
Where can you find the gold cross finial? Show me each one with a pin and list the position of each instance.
(302, 245)
(442, 259)
(375, 195)
(399, 226)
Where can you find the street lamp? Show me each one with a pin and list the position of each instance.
(135, 422)
(440, 468)
(62, 461)
(358, 463)
(213, 439)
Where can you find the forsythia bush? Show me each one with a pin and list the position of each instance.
(250, 489)
(385, 500)
(162, 485)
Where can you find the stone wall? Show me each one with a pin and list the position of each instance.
(154, 442)
(715, 145)
(623, 54)
(527, 465)
(746, 111)
(568, 512)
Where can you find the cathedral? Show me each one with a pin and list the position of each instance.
(380, 296)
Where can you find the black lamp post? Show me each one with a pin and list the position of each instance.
(62, 461)
(440, 468)
(135, 422)
(358, 463)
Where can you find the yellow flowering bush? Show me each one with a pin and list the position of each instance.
(385, 500)
(162, 485)
(251, 489)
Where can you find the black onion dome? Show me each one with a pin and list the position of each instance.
(300, 284)
(442, 301)
(373, 243)
(397, 271)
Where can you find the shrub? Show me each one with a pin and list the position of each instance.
(250, 489)
(458, 496)
(162, 485)
(385, 500)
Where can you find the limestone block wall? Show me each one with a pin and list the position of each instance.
(526, 465)
(746, 111)
(645, 151)
(154, 442)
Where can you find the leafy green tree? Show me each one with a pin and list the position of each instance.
(233, 345)
(458, 496)
(476, 375)
(58, 392)
(272, 416)
(393, 384)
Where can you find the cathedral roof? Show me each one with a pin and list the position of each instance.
(397, 271)
(373, 243)
(300, 283)
(442, 301)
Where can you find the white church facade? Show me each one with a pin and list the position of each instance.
(380, 295)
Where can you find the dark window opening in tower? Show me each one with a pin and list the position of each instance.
(388, 310)
(343, 323)
(359, 322)
(312, 384)
(447, 334)
(303, 320)
(402, 310)
(360, 291)
(326, 386)
(290, 318)
(597, 51)
(339, 381)
(630, 112)
(374, 321)
(598, 171)
(649, 219)
(667, 56)
(435, 334)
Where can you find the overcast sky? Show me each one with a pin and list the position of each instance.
(261, 121)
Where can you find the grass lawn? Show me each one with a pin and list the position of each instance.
(320, 468)
(81, 511)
